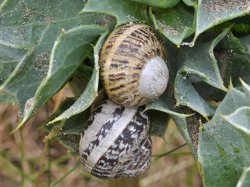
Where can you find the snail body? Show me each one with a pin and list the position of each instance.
(116, 142)
(132, 65)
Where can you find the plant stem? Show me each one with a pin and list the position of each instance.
(49, 164)
(65, 175)
(22, 157)
(124, 182)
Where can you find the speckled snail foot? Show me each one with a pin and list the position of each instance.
(116, 142)
(132, 65)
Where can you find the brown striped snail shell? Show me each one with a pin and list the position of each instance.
(132, 64)
(116, 142)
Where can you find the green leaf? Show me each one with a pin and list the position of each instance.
(176, 24)
(9, 58)
(191, 2)
(28, 31)
(233, 57)
(158, 123)
(68, 52)
(240, 119)
(162, 105)
(159, 113)
(222, 151)
(159, 3)
(214, 12)
(67, 131)
(246, 89)
(90, 93)
(241, 28)
(198, 64)
(245, 178)
(124, 11)
(186, 95)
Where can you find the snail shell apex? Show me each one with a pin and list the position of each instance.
(116, 142)
(132, 65)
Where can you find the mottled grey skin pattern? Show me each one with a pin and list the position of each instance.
(129, 154)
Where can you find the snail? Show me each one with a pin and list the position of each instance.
(132, 65)
(116, 142)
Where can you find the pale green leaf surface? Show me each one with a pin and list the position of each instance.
(182, 126)
(198, 64)
(90, 93)
(27, 34)
(159, 112)
(68, 52)
(186, 95)
(245, 178)
(176, 23)
(246, 88)
(5, 98)
(159, 3)
(222, 151)
(22, 22)
(240, 119)
(200, 61)
(162, 105)
(9, 58)
(123, 10)
(213, 12)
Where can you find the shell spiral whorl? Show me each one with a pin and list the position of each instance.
(132, 64)
(116, 142)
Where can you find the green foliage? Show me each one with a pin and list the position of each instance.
(43, 44)
(222, 152)
(123, 11)
(245, 178)
(159, 3)
(176, 24)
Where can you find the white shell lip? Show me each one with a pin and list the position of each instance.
(154, 78)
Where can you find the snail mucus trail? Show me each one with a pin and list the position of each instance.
(133, 71)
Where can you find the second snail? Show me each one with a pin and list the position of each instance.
(134, 72)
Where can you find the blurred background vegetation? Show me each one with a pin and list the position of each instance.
(27, 159)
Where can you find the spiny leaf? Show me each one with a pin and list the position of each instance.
(233, 57)
(124, 11)
(27, 34)
(67, 131)
(90, 93)
(162, 105)
(186, 95)
(159, 112)
(222, 150)
(213, 12)
(176, 24)
(199, 64)
(240, 119)
(69, 50)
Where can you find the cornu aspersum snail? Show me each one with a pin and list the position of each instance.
(132, 64)
(133, 69)
(116, 142)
